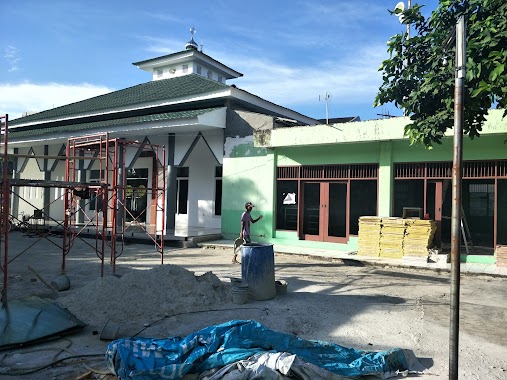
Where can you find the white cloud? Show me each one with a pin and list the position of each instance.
(16, 99)
(11, 55)
(350, 80)
(161, 46)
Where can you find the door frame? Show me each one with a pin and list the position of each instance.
(324, 214)
(439, 202)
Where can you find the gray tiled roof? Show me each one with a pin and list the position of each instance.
(153, 91)
(108, 123)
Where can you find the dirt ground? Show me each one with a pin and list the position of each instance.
(349, 303)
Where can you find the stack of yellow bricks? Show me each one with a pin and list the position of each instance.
(501, 256)
(391, 237)
(395, 237)
(418, 237)
(369, 236)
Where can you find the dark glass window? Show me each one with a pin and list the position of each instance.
(502, 212)
(96, 202)
(482, 199)
(287, 205)
(218, 190)
(363, 202)
(182, 174)
(407, 193)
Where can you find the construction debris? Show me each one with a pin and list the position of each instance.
(146, 294)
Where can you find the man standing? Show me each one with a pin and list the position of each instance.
(246, 219)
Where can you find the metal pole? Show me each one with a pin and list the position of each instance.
(6, 190)
(409, 5)
(456, 197)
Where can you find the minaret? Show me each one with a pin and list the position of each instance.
(190, 61)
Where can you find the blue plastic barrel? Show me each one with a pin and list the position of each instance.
(258, 270)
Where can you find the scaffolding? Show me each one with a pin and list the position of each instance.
(105, 222)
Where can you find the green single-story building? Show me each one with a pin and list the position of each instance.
(312, 183)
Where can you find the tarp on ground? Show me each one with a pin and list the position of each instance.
(31, 319)
(220, 345)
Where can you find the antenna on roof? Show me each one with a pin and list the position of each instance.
(385, 114)
(326, 99)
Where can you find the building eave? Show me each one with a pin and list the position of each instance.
(182, 56)
(183, 121)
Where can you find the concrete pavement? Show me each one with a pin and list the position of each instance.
(439, 265)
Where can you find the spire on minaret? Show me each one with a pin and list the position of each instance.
(191, 45)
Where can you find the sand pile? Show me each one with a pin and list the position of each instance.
(146, 295)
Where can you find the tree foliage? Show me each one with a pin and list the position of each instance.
(419, 76)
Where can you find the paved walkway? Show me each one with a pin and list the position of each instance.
(441, 265)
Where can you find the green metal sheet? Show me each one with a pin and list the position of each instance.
(32, 319)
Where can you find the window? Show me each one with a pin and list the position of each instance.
(501, 214)
(182, 190)
(218, 190)
(407, 193)
(95, 201)
(210, 74)
(136, 194)
(160, 73)
(482, 199)
(10, 168)
(287, 205)
(199, 70)
(363, 202)
(220, 79)
(184, 68)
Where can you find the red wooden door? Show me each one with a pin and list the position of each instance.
(325, 211)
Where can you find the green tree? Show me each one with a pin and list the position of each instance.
(419, 75)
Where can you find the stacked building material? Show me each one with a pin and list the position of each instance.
(501, 256)
(418, 237)
(391, 237)
(369, 236)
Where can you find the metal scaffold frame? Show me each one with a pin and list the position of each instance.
(4, 206)
(107, 223)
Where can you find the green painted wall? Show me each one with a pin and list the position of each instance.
(330, 154)
(488, 147)
(248, 176)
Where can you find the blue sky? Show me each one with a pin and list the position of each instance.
(54, 52)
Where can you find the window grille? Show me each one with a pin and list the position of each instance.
(364, 171)
(357, 171)
(287, 172)
(312, 172)
(479, 169)
(336, 171)
(502, 169)
(471, 169)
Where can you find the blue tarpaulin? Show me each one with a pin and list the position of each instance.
(220, 345)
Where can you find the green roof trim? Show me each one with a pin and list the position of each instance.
(164, 89)
(109, 123)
